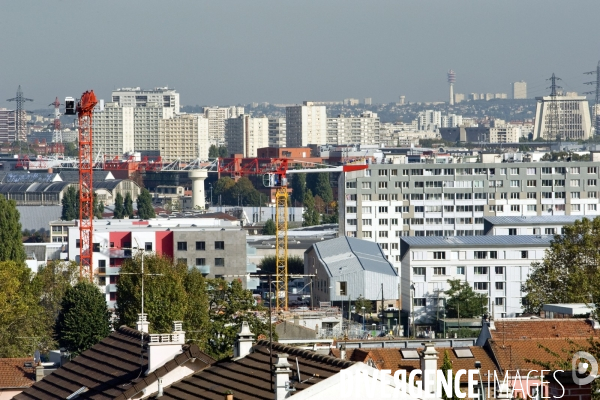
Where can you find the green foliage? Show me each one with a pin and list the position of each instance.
(570, 270)
(447, 366)
(11, 241)
(463, 332)
(310, 216)
(332, 218)
(70, 204)
(240, 193)
(100, 209)
(269, 228)
(323, 187)
(298, 189)
(361, 302)
(214, 151)
(71, 149)
(223, 152)
(128, 206)
(119, 211)
(564, 155)
(196, 311)
(84, 319)
(21, 315)
(144, 205)
(53, 280)
(268, 263)
(463, 301)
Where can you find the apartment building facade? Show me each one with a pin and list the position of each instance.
(519, 90)
(184, 137)
(565, 117)
(245, 135)
(137, 97)
(277, 132)
(114, 129)
(495, 266)
(146, 122)
(306, 124)
(444, 196)
(216, 117)
(8, 125)
(362, 129)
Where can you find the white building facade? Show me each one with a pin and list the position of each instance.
(184, 137)
(137, 97)
(8, 125)
(565, 117)
(146, 122)
(245, 135)
(519, 90)
(216, 117)
(113, 127)
(363, 129)
(277, 132)
(306, 124)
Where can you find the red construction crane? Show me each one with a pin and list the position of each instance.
(85, 108)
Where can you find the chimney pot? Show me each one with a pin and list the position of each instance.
(282, 377)
(243, 345)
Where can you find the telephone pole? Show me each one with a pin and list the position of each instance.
(597, 97)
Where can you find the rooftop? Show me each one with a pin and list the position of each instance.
(14, 374)
(534, 220)
(478, 241)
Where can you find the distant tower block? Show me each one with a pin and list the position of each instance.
(451, 80)
(198, 198)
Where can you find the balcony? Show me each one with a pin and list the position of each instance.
(204, 269)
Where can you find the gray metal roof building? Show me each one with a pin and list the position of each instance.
(528, 225)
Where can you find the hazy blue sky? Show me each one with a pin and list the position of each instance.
(229, 52)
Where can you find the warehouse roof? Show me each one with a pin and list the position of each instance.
(352, 254)
(533, 220)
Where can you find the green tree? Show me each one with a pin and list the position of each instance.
(462, 301)
(269, 228)
(70, 204)
(144, 205)
(361, 302)
(311, 215)
(71, 149)
(213, 151)
(570, 270)
(119, 211)
(21, 315)
(298, 189)
(223, 153)
(197, 317)
(128, 206)
(11, 241)
(100, 209)
(295, 265)
(52, 280)
(84, 318)
(447, 367)
(333, 217)
(322, 187)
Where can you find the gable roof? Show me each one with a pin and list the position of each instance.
(542, 328)
(14, 374)
(249, 377)
(354, 255)
(533, 220)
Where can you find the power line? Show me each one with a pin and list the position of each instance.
(21, 134)
(597, 98)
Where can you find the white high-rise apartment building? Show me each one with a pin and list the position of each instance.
(113, 127)
(184, 137)
(429, 120)
(451, 121)
(136, 97)
(8, 127)
(277, 132)
(306, 124)
(519, 90)
(245, 135)
(505, 134)
(216, 122)
(146, 126)
(567, 117)
(363, 129)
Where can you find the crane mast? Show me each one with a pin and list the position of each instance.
(85, 108)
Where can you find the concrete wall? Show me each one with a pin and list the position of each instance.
(288, 330)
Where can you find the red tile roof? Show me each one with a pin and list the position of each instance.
(507, 329)
(13, 373)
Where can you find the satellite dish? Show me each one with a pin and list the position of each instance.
(36, 356)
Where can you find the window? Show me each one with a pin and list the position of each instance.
(549, 231)
(382, 185)
(219, 262)
(439, 255)
(531, 207)
(499, 270)
(499, 301)
(499, 285)
(481, 270)
(530, 171)
(419, 302)
(502, 171)
(344, 288)
(350, 185)
(366, 185)
(419, 209)
(591, 182)
(574, 170)
(575, 207)
(383, 221)
(592, 170)
(351, 197)
(394, 221)
(383, 209)
(515, 207)
(531, 183)
(575, 195)
(531, 195)
(366, 222)
(494, 255)
(559, 182)
(395, 246)
(480, 255)
(503, 195)
(592, 195)
(219, 245)
(182, 261)
(366, 210)
(514, 171)
(419, 184)
(514, 195)
(480, 286)
(546, 170)
(547, 182)
(418, 270)
(574, 182)
(383, 197)
(383, 234)
(96, 247)
(383, 172)
(560, 195)
(182, 246)
(591, 207)
(460, 270)
(394, 172)
(367, 234)
(524, 254)
(384, 246)
(101, 281)
(405, 172)
(113, 296)
(546, 195)
(200, 261)
(439, 271)
(365, 197)
(416, 196)
(201, 246)
(349, 210)
(351, 221)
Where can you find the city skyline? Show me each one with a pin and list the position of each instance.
(265, 51)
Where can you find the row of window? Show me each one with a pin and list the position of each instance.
(201, 246)
(480, 171)
(422, 301)
(459, 270)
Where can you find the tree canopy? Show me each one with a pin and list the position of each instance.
(310, 216)
(570, 270)
(70, 204)
(361, 302)
(268, 263)
(298, 189)
(144, 205)
(128, 206)
(269, 228)
(232, 193)
(84, 318)
(119, 210)
(11, 241)
(214, 151)
(462, 301)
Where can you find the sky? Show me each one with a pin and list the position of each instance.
(278, 51)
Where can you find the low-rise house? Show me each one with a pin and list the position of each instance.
(16, 375)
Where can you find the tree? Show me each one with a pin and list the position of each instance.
(319, 204)
(223, 152)
(322, 187)
(298, 189)
(332, 218)
(11, 241)
(311, 215)
(119, 211)
(84, 318)
(128, 206)
(97, 210)
(197, 317)
(570, 270)
(242, 192)
(268, 263)
(100, 209)
(144, 205)
(71, 149)
(463, 301)
(213, 151)
(21, 315)
(269, 228)
(53, 279)
(361, 302)
(447, 366)
(70, 204)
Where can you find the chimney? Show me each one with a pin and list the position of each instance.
(343, 352)
(142, 323)
(429, 358)
(243, 345)
(282, 377)
(164, 347)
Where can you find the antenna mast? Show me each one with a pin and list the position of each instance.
(21, 133)
(57, 132)
(597, 98)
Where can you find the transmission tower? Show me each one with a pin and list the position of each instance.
(57, 132)
(553, 119)
(21, 121)
(597, 99)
